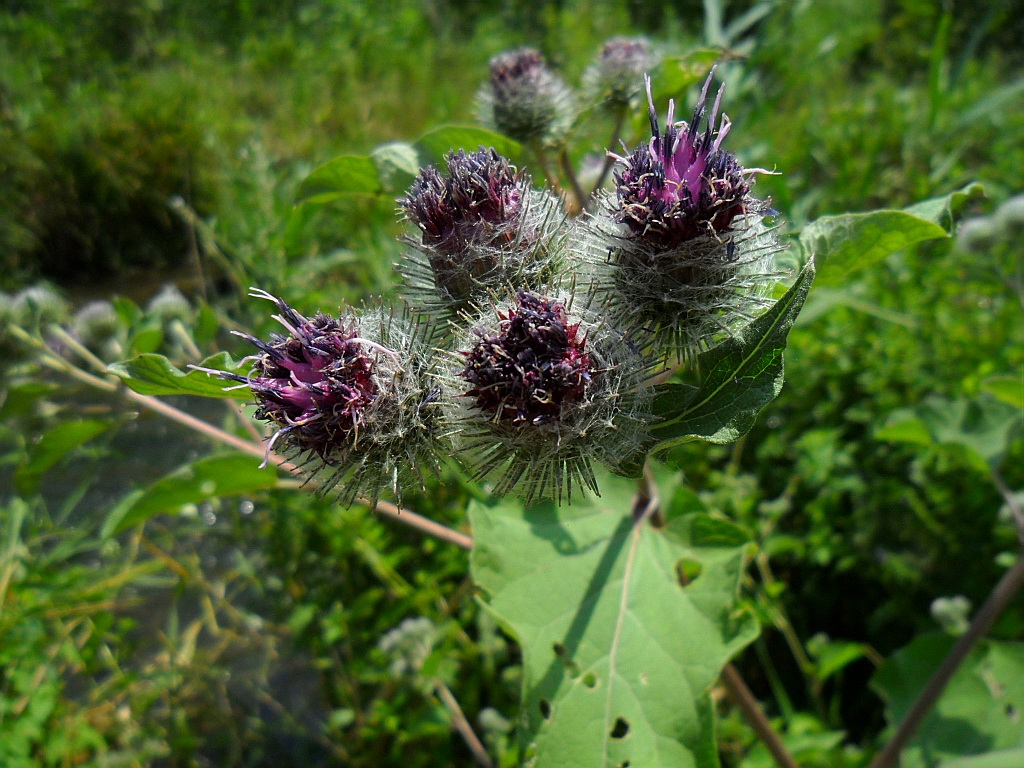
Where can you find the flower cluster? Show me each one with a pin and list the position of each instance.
(535, 337)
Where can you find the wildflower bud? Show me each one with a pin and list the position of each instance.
(97, 326)
(524, 99)
(408, 645)
(1010, 217)
(978, 235)
(615, 79)
(170, 304)
(544, 389)
(39, 306)
(481, 228)
(350, 396)
(690, 253)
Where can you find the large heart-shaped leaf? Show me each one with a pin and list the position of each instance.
(619, 655)
(738, 377)
(438, 142)
(346, 175)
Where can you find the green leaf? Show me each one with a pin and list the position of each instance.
(398, 164)
(1008, 389)
(984, 427)
(207, 478)
(845, 244)
(738, 377)
(53, 446)
(346, 175)
(156, 375)
(619, 656)
(1004, 758)
(978, 712)
(677, 73)
(21, 399)
(943, 210)
(435, 144)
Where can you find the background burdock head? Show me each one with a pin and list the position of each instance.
(615, 79)
(544, 387)
(690, 254)
(526, 100)
(481, 227)
(350, 397)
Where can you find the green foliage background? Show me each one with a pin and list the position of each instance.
(139, 141)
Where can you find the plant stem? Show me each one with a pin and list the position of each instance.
(545, 168)
(609, 160)
(744, 699)
(1000, 597)
(574, 183)
(461, 724)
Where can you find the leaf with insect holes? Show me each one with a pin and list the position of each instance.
(619, 655)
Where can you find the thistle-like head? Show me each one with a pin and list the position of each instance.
(543, 388)
(346, 394)
(524, 99)
(616, 77)
(481, 228)
(682, 184)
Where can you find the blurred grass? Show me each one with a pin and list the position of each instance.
(164, 140)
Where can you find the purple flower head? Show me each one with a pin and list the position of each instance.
(315, 384)
(479, 202)
(525, 99)
(682, 185)
(350, 397)
(533, 368)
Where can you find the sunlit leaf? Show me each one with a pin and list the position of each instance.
(208, 478)
(435, 144)
(397, 163)
(619, 656)
(737, 378)
(156, 375)
(346, 175)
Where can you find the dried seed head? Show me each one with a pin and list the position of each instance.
(524, 99)
(689, 256)
(615, 79)
(481, 228)
(545, 389)
(351, 397)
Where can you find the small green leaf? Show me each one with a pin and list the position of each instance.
(156, 375)
(678, 73)
(208, 478)
(1007, 389)
(346, 175)
(619, 655)
(738, 378)
(435, 144)
(20, 399)
(943, 210)
(397, 163)
(53, 446)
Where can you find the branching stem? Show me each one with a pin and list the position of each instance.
(609, 159)
(1000, 597)
(744, 699)
(462, 726)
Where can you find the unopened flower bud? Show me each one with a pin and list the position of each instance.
(349, 396)
(615, 79)
(169, 305)
(690, 255)
(524, 99)
(546, 388)
(482, 228)
(1010, 218)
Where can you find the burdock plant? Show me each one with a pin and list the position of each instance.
(524, 99)
(689, 253)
